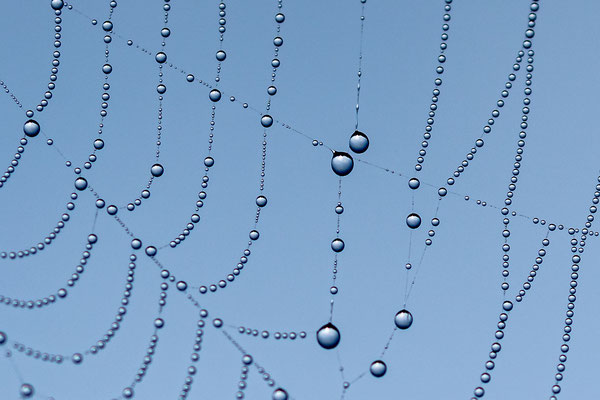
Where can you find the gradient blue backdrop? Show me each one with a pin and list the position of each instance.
(285, 287)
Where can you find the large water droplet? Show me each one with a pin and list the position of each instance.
(342, 163)
(378, 368)
(160, 57)
(280, 394)
(403, 319)
(337, 245)
(81, 183)
(26, 391)
(328, 336)
(31, 128)
(214, 95)
(359, 142)
(413, 221)
(221, 55)
(266, 120)
(157, 170)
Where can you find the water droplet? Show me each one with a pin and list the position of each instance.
(26, 391)
(221, 55)
(159, 323)
(378, 368)
(359, 142)
(107, 26)
(81, 183)
(215, 95)
(157, 170)
(403, 319)
(271, 90)
(507, 305)
(128, 393)
(337, 245)
(266, 120)
(151, 251)
(280, 394)
(414, 183)
(328, 336)
(280, 17)
(254, 234)
(182, 286)
(261, 201)
(160, 57)
(57, 4)
(342, 163)
(247, 359)
(209, 161)
(136, 244)
(31, 128)
(413, 221)
(165, 32)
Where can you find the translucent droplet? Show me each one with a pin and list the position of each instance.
(342, 163)
(159, 323)
(209, 161)
(328, 336)
(254, 235)
(81, 183)
(378, 368)
(136, 244)
(165, 32)
(157, 170)
(151, 251)
(280, 394)
(359, 142)
(403, 319)
(280, 17)
(414, 183)
(337, 245)
(57, 4)
(160, 57)
(261, 201)
(247, 359)
(128, 393)
(215, 95)
(413, 221)
(26, 391)
(107, 26)
(266, 120)
(31, 128)
(271, 90)
(182, 286)
(221, 55)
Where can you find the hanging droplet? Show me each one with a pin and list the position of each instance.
(403, 319)
(157, 170)
(342, 163)
(280, 394)
(413, 221)
(328, 336)
(81, 183)
(378, 368)
(359, 142)
(266, 120)
(214, 95)
(160, 57)
(27, 391)
(337, 245)
(221, 55)
(414, 183)
(261, 201)
(31, 128)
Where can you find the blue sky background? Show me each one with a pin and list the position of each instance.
(285, 286)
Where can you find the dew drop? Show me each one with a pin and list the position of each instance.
(280, 394)
(266, 120)
(413, 221)
(328, 336)
(157, 170)
(81, 183)
(261, 201)
(403, 319)
(378, 368)
(342, 163)
(359, 142)
(26, 391)
(215, 95)
(31, 128)
(161, 57)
